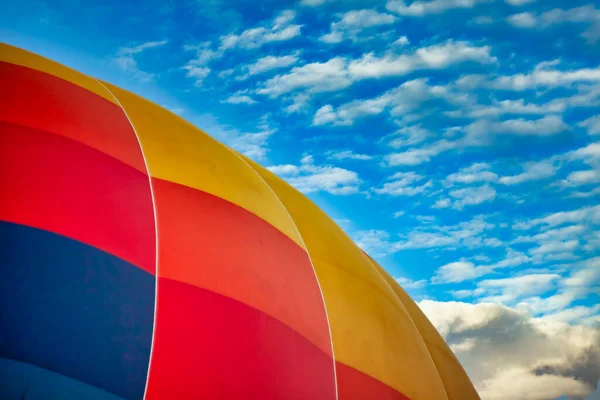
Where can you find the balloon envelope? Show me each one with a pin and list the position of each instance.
(141, 258)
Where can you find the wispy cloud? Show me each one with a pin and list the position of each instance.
(421, 8)
(351, 23)
(339, 72)
(126, 61)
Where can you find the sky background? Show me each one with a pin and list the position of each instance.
(456, 141)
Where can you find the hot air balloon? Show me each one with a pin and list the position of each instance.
(143, 259)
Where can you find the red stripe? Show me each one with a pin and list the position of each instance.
(38, 100)
(207, 346)
(356, 385)
(62, 186)
(216, 245)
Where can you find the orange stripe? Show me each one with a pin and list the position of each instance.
(213, 244)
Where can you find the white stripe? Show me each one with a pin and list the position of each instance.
(311, 264)
(155, 232)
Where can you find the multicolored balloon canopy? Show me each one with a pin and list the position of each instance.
(141, 258)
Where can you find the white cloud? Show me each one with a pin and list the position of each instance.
(468, 234)
(348, 155)
(339, 73)
(401, 41)
(309, 178)
(590, 215)
(472, 196)
(583, 14)
(399, 101)
(509, 354)
(410, 284)
(125, 59)
(508, 290)
(408, 136)
(478, 172)
(516, 107)
(375, 242)
(532, 171)
(251, 144)
(279, 29)
(315, 77)
(585, 177)
(545, 74)
(351, 23)
(420, 8)
(240, 97)
(313, 3)
(196, 73)
(269, 63)
(404, 184)
(545, 126)
(439, 56)
(518, 2)
(592, 124)
(523, 20)
(398, 214)
(455, 272)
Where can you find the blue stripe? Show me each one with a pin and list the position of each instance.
(22, 381)
(75, 310)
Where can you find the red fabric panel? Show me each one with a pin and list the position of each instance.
(356, 385)
(207, 346)
(216, 245)
(62, 186)
(38, 100)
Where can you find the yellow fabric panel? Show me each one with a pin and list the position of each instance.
(456, 381)
(14, 55)
(371, 330)
(179, 152)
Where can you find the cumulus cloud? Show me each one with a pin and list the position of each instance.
(509, 354)
(309, 178)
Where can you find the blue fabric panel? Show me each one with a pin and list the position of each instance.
(21, 381)
(74, 310)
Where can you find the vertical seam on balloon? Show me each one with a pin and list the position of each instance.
(311, 264)
(155, 230)
(372, 263)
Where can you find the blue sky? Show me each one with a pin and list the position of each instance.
(457, 141)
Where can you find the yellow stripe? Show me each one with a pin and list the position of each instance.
(14, 55)
(455, 379)
(179, 152)
(371, 330)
